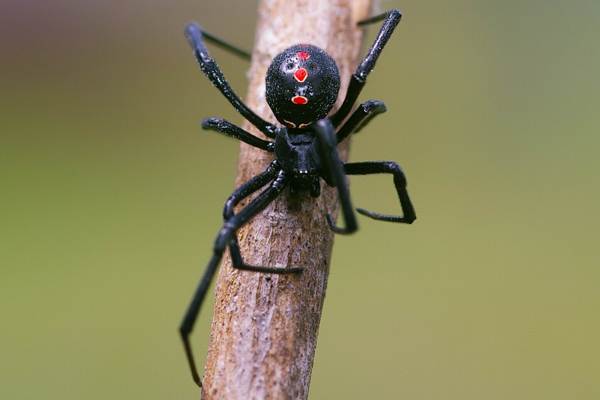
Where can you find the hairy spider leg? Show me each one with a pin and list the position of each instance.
(333, 170)
(193, 33)
(228, 129)
(385, 167)
(360, 118)
(236, 197)
(225, 235)
(358, 79)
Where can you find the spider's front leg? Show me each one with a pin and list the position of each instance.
(333, 170)
(359, 78)
(385, 167)
(236, 197)
(224, 237)
(210, 68)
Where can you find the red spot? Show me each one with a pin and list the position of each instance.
(299, 100)
(303, 55)
(301, 74)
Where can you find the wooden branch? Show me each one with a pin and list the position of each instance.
(264, 329)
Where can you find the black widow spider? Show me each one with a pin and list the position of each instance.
(302, 85)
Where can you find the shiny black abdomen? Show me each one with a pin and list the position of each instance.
(302, 85)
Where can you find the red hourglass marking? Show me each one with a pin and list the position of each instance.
(303, 55)
(301, 74)
(299, 100)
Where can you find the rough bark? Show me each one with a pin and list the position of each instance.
(264, 328)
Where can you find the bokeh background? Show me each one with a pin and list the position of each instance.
(110, 195)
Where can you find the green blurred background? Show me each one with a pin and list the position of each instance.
(111, 195)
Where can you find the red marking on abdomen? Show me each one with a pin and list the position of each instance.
(303, 55)
(299, 100)
(301, 74)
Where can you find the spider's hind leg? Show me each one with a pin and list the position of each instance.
(227, 46)
(209, 67)
(375, 18)
(359, 78)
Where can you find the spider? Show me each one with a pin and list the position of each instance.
(302, 85)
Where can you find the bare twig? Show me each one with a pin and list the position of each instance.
(264, 329)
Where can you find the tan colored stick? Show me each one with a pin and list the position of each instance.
(264, 329)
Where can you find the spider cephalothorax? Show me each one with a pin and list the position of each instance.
(302, 85)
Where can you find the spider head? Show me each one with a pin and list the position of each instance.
(302, 85)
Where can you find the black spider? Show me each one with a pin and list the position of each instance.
(302, 86)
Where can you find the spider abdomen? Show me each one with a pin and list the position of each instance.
(302, 85)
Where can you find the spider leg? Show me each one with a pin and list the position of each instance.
(385, 167)
(193, 32)
(231, 130)
(333, 170)
(225, 235)
(249, 187)
(373, 19)
(360, 118)
(227, 46)
(238, 195)
(358, 79)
